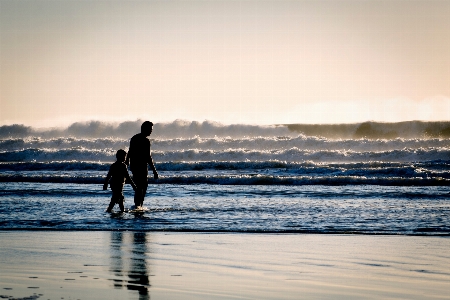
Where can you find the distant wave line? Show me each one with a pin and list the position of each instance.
(307, 166)
(244, 180)
(184, 129)
(221, 144)
(289, 155)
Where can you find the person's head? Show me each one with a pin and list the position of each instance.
(121, 155)
(147, 128)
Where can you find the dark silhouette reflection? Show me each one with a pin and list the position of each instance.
(128, 262)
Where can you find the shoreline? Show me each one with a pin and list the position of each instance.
(215, 231)
(174, 265)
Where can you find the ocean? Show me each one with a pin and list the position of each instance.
(367, 178)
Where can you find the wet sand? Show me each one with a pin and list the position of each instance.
(134, 265)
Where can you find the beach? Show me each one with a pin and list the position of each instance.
(159, 265)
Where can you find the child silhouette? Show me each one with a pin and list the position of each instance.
(117, 176)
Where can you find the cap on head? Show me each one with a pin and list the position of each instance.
(121, 154)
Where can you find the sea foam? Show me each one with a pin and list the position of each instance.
(209, 129)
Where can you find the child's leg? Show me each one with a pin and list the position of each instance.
(117, 197)
(120, 200)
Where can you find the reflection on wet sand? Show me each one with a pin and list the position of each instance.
(128, 262)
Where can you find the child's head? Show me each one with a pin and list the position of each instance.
(121, 155)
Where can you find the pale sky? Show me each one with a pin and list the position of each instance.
(253, 62)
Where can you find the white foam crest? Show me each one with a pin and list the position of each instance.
(210, 129)
(170, 130)
(299, 155)
(301, 142)
(217, 144)
(49, 155)
(62, 143)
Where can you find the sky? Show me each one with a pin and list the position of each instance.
(251, 62)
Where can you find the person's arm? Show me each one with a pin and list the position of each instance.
(152, 166)
(131, 182)
(108, 177)
(127, 159)
(150, 162)
(127, 176)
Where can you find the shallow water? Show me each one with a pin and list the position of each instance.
(240, 208)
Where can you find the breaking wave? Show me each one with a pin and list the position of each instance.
(210, 129)
(204, 155)
(404, 154)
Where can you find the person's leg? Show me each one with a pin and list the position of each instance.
(141, 182)
(137, 194)
(111, 205)
(144, 190)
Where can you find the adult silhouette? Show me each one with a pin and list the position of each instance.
(139, 158)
